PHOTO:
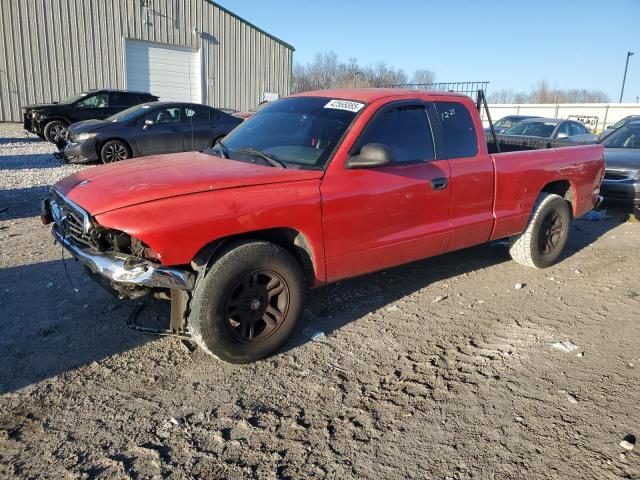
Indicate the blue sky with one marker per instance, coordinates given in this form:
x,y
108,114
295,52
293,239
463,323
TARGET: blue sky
x,y
512,44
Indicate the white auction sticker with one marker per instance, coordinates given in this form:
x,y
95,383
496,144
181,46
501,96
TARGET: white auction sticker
x,y
345,105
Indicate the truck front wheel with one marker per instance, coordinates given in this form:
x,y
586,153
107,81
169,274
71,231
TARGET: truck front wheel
x,y
542,242
246,306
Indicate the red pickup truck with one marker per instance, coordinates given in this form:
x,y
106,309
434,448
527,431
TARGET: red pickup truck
x,y
312,189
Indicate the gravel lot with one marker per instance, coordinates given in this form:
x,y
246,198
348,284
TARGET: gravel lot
x,y
439,369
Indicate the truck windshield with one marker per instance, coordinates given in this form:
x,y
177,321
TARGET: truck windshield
x,y
533,129
298,132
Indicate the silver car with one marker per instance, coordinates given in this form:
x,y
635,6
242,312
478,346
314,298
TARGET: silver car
x,y
553,129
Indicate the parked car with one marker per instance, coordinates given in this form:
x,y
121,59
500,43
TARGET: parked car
x,y
552,129
507,122
618,124
312,189
146,129
50,120
621,183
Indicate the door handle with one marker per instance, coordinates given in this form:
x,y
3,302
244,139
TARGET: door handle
x,y
439,183
176,129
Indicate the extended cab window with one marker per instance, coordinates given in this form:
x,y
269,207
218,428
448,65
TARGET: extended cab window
x,y
458,131
404,130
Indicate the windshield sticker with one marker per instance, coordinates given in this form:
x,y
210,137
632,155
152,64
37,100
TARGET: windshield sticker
x,y
345,105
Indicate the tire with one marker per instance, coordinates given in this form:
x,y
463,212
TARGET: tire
x,y
55,130
636,213
235,314
546,235
114,151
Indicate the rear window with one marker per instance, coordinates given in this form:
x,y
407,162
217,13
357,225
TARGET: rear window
x,y
458,131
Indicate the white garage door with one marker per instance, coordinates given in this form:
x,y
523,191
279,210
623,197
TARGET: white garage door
x,y
169,72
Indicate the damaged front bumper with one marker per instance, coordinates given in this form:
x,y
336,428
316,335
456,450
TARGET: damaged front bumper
x,y
128,275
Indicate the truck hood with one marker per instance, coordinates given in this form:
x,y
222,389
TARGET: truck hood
x,y
622,158
131,182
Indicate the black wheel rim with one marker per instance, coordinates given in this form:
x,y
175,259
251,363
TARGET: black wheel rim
x,y
58,132
551,233
257,305
115,152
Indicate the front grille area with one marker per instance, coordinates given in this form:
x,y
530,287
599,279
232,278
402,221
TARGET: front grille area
x,y
70,223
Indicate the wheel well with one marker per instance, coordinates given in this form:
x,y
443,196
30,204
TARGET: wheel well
x,y
99,145
288,238
215,140
55,119
562,188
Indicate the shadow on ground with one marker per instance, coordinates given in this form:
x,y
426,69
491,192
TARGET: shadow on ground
x,y
28,162
21,202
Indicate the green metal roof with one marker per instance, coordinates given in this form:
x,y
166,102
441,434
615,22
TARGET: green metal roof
x,y
229,12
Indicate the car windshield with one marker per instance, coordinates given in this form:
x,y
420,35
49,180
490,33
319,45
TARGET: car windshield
x,y
72,99
620,123
533,129
625,137
299,132
128,114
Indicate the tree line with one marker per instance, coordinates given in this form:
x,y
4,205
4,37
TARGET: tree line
x,y
326,70
542,93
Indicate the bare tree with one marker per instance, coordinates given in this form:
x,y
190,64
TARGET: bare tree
x,y
542,93
423,76
326,71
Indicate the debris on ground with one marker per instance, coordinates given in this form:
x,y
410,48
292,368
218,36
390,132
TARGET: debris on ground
x,y
566,346
313,334
628,442
519,286
440,298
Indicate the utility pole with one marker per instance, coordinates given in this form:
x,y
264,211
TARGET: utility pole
x,y
624,78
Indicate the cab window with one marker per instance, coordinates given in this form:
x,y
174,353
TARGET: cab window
x,y
458,131
405,130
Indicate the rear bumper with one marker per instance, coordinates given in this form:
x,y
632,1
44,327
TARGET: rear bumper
x,y
626,192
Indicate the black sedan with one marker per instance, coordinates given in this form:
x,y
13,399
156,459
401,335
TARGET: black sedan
x,y
621,183
146,129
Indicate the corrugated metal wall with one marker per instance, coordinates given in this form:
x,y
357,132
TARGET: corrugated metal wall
x,y
50,49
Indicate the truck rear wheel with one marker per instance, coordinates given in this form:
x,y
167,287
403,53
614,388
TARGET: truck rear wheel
x,y
246,306
546,235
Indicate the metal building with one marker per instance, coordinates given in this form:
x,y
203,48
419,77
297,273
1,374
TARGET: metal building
x,y
187,50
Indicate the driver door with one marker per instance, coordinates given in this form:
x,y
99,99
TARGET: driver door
x,y
161,131
375,218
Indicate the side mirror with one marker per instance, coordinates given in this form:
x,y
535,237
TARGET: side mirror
x,y
147,123
562,135
371,155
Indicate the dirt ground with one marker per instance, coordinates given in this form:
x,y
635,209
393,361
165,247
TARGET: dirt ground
x,y
438,369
